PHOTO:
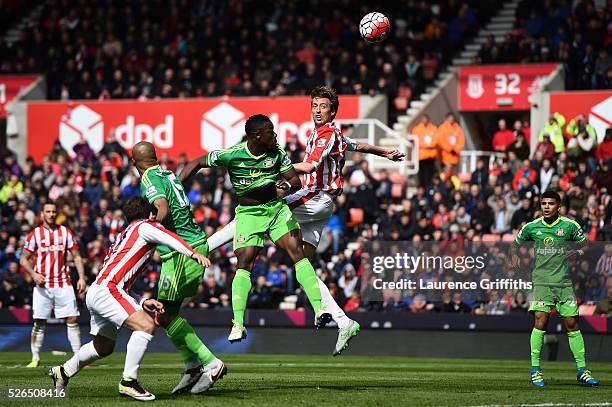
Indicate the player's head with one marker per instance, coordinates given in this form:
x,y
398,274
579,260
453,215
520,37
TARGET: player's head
x,y
136,208
260,130
324,105
550,202
49,213
143,155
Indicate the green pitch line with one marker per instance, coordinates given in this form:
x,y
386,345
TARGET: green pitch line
x,y
282,380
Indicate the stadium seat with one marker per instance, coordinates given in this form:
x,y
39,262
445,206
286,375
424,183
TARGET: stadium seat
x,y
490,237
508,237
430,68
356,217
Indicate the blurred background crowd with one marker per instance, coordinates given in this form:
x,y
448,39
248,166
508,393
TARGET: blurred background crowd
x,y
157,49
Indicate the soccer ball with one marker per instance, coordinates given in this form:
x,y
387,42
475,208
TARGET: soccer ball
x,y
374,27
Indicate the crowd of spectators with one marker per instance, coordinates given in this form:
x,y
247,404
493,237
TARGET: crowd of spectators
x,y
575,33
147,49
488,205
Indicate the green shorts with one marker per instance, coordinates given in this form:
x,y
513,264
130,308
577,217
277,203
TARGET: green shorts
x,y
561,298
180,276
252,222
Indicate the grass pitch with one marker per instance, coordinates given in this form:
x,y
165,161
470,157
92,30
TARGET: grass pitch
x,y
285,380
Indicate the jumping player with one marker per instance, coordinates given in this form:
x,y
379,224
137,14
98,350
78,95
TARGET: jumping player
x,y
52,246
111,307
256,168
312,205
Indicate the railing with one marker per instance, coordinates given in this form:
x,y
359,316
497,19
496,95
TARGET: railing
x,y
468,159
372,131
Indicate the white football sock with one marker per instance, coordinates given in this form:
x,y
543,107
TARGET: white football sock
x,y
83,357
74,336
328,302
38,336
221,237
136,348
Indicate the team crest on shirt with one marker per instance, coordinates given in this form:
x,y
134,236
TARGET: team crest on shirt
x,y
540,303
268,162
560,232
240,239
321,142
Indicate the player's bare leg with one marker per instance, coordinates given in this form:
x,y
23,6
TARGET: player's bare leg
x,y
36,341
291,242
347,328
74,333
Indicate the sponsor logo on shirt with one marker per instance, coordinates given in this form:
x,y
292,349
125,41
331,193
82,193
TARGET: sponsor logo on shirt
x,y
151,191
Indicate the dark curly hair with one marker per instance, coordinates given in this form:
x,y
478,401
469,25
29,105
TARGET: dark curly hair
x,y
137,208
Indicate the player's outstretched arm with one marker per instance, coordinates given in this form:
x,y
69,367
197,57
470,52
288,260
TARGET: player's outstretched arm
x,y
293,180
304,168
393,155
157,234
192,168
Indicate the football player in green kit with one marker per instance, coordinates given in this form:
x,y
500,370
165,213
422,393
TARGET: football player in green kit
x,y
257,167
180,275
552,282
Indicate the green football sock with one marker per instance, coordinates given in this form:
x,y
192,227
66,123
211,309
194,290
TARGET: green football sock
x,y
187,342
307,277
576,344
241,287
536,341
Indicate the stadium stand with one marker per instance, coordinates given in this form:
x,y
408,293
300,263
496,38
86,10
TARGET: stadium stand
x,y
150,49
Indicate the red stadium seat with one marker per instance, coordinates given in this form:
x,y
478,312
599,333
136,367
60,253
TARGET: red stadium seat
x,y
356,217
490,237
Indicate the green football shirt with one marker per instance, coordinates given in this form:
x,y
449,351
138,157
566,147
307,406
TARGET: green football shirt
x,y
248,171
550,245
159,183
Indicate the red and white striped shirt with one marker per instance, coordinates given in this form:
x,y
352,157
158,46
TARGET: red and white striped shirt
x,y
325,149
130,253
50,247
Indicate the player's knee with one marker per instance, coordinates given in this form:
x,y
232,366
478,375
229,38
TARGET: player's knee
x,y
571,324
103,345
71,320
148,326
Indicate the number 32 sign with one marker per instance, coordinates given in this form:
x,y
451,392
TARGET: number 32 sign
x,y
500,87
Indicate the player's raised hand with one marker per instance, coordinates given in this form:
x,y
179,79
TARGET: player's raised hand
x,y
154,306
39,279
394,155
201,259
81,286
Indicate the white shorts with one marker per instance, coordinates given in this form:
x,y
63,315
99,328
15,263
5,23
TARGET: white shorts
x,y
109,307
312,211
62,300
